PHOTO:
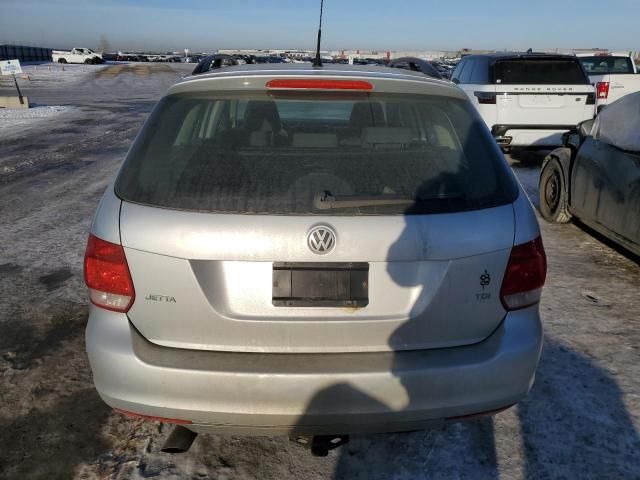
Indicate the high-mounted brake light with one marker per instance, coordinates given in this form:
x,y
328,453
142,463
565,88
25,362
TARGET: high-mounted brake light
x,y
602,89
318,84
525,275
106,273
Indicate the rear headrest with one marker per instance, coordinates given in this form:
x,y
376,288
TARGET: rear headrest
x,y
260,138
262,115
386,136
367,114
314,140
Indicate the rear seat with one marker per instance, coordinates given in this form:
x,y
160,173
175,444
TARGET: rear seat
x,y
381,137
371,137
262,123
314,140
363,115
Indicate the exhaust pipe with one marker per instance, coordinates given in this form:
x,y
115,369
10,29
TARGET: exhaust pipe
x,y
179,441
320,445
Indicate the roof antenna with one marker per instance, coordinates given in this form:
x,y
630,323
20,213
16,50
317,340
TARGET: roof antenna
x,y
317,62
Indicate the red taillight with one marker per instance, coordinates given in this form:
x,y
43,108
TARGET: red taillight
x,y
153,418
525,275
106,273
602,89
318,84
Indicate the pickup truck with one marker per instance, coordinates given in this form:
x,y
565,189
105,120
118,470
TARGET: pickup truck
x,y
613,75
77,55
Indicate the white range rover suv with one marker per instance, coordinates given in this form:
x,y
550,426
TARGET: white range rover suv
x,y
527,99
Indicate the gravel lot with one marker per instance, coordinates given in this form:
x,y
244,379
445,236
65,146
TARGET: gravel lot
x,y
581,420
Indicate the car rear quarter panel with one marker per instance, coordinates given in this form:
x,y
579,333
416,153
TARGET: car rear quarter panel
x,y
106,223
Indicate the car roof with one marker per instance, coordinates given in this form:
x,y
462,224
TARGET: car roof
x,y
603,54
374,73
520,55
431,71
307,68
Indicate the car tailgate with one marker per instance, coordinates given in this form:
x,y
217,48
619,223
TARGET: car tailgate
x,y
205,281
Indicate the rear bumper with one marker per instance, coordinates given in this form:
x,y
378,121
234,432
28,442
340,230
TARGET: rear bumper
x,y
270,394
530,135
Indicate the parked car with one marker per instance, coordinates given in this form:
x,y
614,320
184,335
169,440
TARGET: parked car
x,y
77,55
134,57
213,62
527,99
315,252
110,57
443,69
365,61
614,76
192,58
595,177
416,65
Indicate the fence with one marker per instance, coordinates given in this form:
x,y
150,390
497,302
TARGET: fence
x,y
25,54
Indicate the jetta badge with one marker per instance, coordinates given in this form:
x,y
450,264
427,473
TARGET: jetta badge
x,y
321,239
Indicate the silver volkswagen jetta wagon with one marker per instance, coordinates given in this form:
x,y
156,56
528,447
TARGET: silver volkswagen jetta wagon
x,y
313,251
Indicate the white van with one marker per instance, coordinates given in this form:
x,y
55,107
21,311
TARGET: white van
x,y
527,99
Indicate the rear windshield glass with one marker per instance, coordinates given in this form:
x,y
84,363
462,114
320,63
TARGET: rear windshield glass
x,y
539,72
299,154
606,65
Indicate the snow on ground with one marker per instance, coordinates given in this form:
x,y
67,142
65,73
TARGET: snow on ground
x,y
13,115
35,78
51,71
13,120
581,419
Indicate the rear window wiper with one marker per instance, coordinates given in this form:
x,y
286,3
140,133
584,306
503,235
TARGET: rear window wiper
x,y
326,201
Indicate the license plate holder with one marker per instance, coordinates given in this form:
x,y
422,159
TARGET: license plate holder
x,y
331,284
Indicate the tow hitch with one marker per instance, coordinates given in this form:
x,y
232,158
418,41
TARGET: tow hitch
x,y
321,444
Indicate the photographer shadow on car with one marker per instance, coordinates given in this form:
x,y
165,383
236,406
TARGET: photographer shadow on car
x,y
378,455
573,422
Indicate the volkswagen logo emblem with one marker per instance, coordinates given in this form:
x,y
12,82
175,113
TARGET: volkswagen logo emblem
x,y
321,239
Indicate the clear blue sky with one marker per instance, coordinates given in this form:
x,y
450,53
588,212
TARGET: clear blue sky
x,y
365,24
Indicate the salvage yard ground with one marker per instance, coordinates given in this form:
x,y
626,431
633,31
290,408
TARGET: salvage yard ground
x,y
581,419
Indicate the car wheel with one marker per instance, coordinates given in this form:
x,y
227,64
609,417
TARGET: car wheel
x,y
553,193
62,60
88,61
